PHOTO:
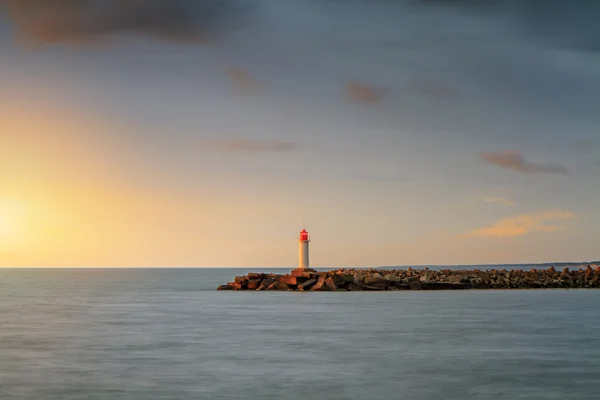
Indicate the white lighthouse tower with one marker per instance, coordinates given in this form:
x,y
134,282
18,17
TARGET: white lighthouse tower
x,y
303,241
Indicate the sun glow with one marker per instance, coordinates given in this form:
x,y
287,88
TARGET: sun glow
x,y
12,213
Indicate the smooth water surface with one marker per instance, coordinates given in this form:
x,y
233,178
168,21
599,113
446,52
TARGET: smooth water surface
x,y
167,334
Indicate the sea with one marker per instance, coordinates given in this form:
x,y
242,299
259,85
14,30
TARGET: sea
x,y
106,334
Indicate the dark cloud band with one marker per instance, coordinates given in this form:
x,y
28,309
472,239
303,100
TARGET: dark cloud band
x,y
565,23
50,21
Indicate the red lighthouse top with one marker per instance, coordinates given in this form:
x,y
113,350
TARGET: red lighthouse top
x,y
304,235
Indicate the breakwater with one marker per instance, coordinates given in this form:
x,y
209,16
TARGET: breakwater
x,y
412,279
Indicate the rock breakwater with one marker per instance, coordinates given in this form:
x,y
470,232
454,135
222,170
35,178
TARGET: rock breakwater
x,y
411,279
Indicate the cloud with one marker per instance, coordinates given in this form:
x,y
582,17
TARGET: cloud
x,y
363,93
51,21
565,23
250,145
242,81
499,200
523,224
558,23
516,161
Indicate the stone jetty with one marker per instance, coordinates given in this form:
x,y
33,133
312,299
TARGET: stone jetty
x,y
304,279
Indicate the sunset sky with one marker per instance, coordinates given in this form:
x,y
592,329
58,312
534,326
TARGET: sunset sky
x,y
202,133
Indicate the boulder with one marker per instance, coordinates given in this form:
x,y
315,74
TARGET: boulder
x,y
371,288
234,285
484,284
373,279
476,282
354,287
486,277
358,278
266,283
320,281
339,281
278,286
415,284
255,275
224,287
393,278
330,284
378,282
307,285
253,284
288,280
241,279
303,272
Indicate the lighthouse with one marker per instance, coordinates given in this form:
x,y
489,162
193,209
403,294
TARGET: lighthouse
x,y
303,241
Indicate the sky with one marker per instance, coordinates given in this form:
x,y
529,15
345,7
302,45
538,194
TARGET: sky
x,y
206,132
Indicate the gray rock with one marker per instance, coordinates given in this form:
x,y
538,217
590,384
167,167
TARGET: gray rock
x,y
359,278
415,285
376,282
307,285
371,288
354,287
266,283
393,278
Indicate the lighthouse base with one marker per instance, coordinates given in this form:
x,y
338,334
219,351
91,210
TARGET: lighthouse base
x,y
303,272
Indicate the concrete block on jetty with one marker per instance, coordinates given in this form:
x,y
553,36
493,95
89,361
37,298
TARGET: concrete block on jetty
x,y
308,279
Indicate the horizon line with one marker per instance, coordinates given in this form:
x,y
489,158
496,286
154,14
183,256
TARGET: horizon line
x,y
293,266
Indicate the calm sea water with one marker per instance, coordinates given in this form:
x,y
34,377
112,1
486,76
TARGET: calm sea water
x,y
167,334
